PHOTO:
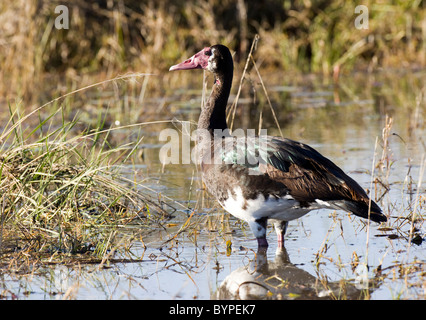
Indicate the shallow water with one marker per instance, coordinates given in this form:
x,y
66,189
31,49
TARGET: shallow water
x,y
326,252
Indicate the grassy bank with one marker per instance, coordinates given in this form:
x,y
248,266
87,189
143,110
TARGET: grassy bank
x,y
110,37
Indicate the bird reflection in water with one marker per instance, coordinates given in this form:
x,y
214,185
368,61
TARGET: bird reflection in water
x,y
280,279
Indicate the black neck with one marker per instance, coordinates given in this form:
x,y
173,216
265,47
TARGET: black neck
x,y
213,115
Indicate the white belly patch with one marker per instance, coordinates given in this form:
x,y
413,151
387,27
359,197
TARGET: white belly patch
x,y
285,208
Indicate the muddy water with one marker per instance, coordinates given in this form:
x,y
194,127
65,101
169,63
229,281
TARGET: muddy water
x,y
327,255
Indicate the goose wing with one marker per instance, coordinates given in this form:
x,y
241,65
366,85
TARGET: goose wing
x,y
309,176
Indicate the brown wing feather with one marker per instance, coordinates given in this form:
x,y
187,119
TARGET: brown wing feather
x,y
307,185
312,176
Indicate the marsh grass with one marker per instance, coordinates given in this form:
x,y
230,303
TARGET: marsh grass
x,y
62,193
405,275
110,37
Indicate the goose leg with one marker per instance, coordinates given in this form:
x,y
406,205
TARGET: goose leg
x,y
258,228
280,229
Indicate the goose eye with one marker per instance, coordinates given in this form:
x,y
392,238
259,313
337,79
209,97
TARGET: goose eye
x,y
208,53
